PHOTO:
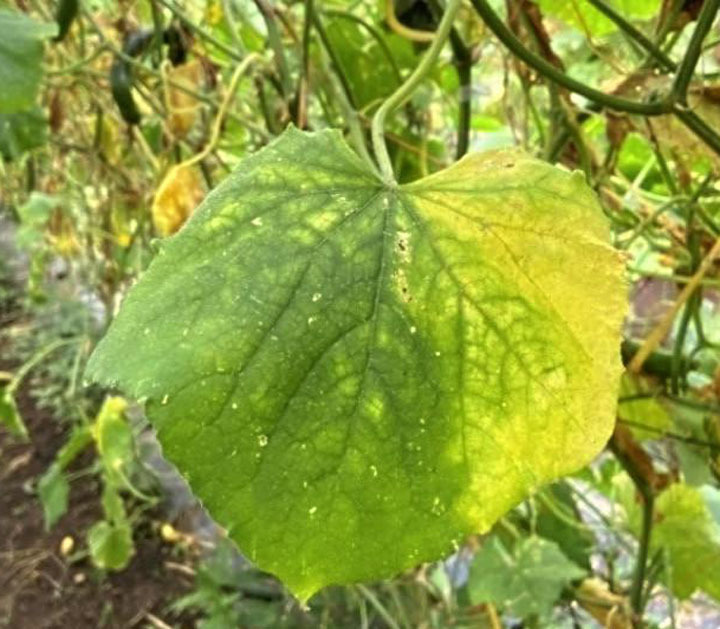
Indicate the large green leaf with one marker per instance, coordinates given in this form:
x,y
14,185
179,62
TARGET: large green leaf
x,y
351,376
527,581
21,50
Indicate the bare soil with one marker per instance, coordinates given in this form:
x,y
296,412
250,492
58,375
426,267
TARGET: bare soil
x,y
39,588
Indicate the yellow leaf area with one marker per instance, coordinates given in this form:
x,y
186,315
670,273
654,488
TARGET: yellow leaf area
x,y
177,196
539,302
62,234
182,106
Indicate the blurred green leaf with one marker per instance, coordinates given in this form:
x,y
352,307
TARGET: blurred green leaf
x,y
525,582
686,532
111,545
113,506
34,215
22,131
574,541
586,18
21,52
369,72
53,491
10,414
114,439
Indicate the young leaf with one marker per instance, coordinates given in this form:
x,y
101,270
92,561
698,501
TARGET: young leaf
x,y
526,582
21,50
352,377
53,491
111,545
53,486
10,414
114,438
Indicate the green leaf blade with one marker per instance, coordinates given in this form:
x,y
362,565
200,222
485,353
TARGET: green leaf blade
x,y
527,582
21,50
336,390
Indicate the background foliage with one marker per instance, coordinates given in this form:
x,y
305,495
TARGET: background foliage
x,y
117,118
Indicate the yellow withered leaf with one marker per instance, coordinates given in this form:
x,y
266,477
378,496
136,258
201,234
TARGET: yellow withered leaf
x,y
182,106
177,196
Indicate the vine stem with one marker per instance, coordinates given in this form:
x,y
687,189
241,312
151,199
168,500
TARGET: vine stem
x,y
222,111
26,368
687,66
399,96
644,486
548,70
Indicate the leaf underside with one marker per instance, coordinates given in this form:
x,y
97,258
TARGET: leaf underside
x,y
354,377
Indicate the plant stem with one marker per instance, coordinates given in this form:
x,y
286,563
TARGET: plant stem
x,y
334,60
28,366
464,71
399,96
373,600
176,11
549,71
646,491
636,594
268,15
341,88
304,81
692,53
462,60
698,126
663,327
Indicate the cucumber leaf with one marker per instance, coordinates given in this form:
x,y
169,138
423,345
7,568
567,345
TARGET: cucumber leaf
x,y
353,376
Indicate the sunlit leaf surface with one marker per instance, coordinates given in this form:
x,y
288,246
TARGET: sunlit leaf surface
x,y
353,377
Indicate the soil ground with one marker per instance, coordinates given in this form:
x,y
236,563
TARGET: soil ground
x,y
39,589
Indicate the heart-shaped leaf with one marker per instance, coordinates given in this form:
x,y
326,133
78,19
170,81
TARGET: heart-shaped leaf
x,y
354,376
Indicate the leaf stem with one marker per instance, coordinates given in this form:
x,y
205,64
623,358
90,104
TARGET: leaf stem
x,y
686,68
334,59
28,366
646,491
273,35
222,111
399,96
